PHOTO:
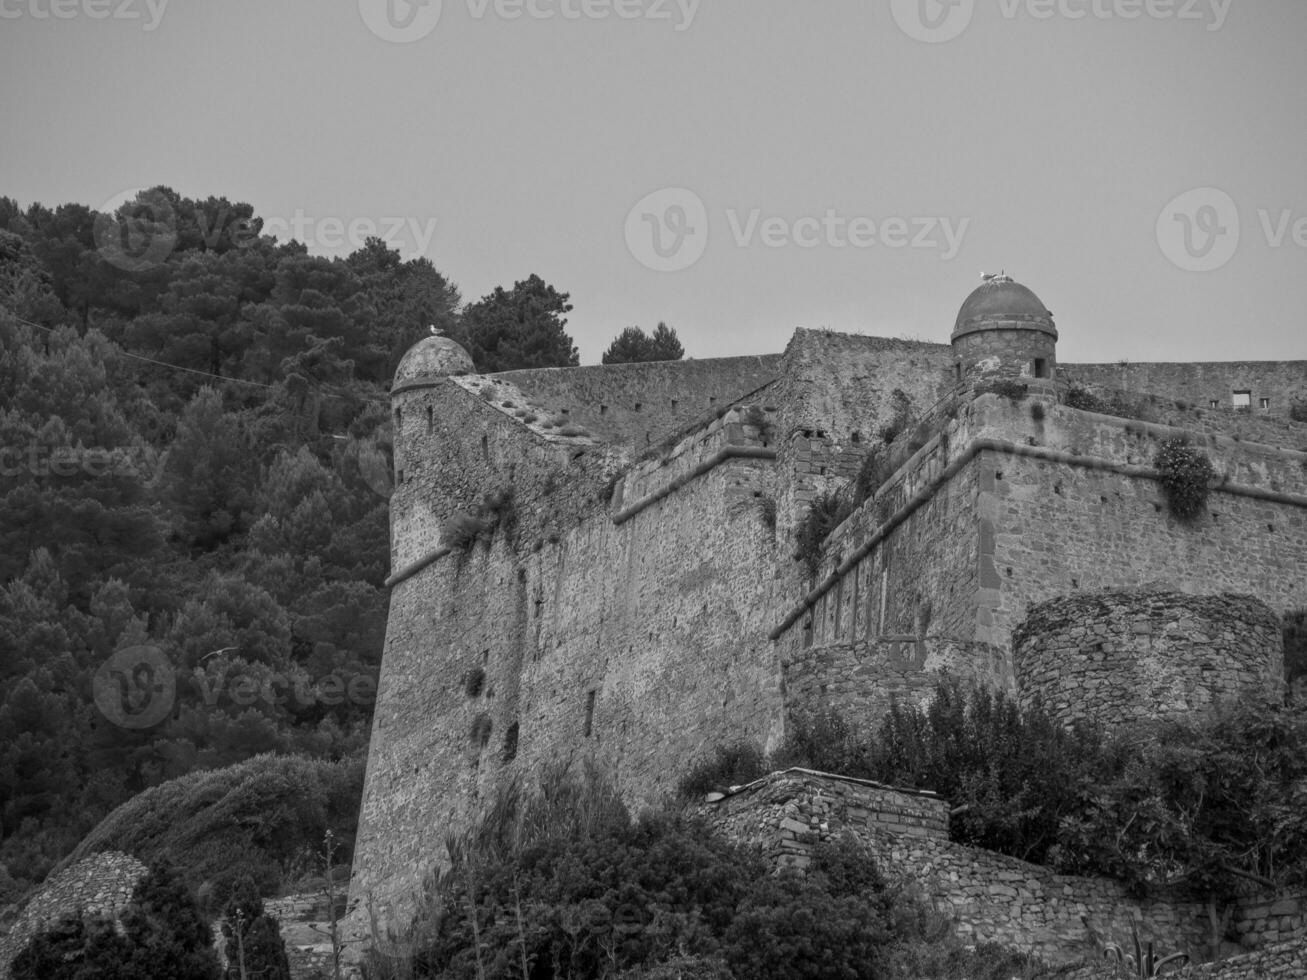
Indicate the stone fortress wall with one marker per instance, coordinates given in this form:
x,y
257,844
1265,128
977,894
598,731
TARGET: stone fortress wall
x,y
641,604
1117,657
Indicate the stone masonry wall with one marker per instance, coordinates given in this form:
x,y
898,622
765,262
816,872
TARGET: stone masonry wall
x,y
862,678
637,405
1086,516
1202,383
992,898
1116,657
639,644
99,885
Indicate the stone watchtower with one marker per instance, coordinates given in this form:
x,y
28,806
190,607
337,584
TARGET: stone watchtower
x,y
1004,332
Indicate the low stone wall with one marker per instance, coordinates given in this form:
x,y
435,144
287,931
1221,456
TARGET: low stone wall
x,y
99,885
992,898
1117,657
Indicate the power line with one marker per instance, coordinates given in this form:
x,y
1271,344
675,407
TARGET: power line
x,y
205,374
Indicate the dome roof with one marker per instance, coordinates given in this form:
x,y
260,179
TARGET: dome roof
x,y
1000,301
432,357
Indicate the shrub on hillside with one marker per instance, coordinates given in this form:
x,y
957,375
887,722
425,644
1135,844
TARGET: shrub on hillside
x,y
257,818
252,938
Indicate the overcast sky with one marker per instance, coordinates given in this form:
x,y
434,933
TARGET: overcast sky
x,y
736,168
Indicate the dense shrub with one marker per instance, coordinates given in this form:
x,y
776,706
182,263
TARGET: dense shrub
x,y
252,938
257,818
562,882
1298,410
163,934
1186,477
1210,804
729,765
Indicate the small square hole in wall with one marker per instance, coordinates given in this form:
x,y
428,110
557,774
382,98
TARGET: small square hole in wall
x,y
1213,404
603,409
1264,404
673,403
638,406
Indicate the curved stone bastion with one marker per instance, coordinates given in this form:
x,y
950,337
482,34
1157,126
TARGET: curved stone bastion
x,y
1121,656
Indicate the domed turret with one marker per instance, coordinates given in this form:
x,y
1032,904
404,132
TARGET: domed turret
x,y
1004,331
432,357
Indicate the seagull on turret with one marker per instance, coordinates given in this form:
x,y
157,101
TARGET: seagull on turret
x,y
434,331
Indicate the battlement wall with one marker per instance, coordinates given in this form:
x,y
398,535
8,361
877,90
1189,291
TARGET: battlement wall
x,y
637,405
1200,384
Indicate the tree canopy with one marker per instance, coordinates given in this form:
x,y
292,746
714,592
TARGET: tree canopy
x,y
633,345
518,328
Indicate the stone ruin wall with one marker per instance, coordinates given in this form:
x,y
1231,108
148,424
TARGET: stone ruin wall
x,y
1200,384
990,897
98,885
1119,657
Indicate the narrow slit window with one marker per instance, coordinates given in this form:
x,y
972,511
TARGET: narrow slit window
x,y
589,713
1264,404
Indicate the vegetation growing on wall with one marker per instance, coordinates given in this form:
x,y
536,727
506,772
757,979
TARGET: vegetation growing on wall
x,y
1209,804
824,515
1295,645
1186,476
561,882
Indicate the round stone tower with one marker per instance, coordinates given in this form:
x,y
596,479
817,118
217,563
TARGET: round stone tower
x,y
1127,655
418,399
1004,332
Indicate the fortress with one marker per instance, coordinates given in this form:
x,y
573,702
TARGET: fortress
x,y
600,562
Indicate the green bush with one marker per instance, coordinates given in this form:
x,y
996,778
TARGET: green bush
x,y
825,514
731,765
1186,476
257,818
163,934
252,938
1298,410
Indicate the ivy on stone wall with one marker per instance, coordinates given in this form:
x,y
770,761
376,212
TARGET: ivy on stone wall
x,y
1186,476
